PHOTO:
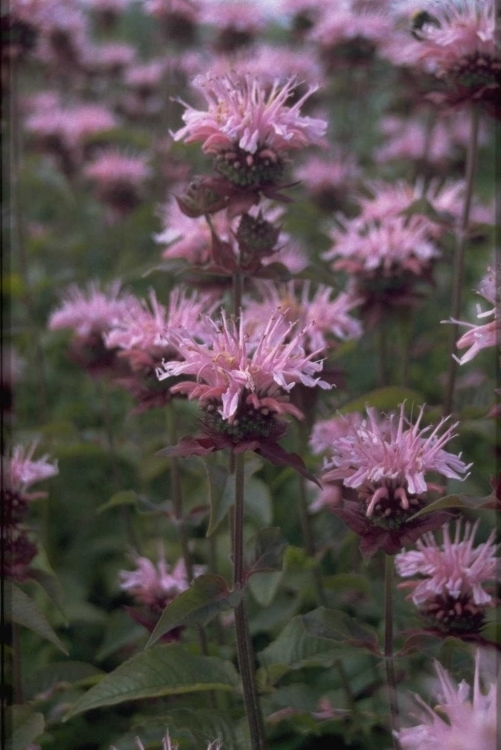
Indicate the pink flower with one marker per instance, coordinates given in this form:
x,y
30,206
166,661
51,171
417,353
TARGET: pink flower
x,y
235,15
348,33
155,585
248,128
337,172
119,179
457,42
91,310
187,9
481,336
23,471
449,578
388,463
326,432
322,320
111,57
247,378
467,720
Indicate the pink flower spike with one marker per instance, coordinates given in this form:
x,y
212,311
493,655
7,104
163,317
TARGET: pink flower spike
x,y
91,310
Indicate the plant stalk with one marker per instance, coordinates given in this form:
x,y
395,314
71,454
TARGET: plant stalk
x,y
244,646
458,272
391,684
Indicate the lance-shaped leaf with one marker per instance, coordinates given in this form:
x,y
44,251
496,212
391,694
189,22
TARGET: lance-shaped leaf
x,y
23,726
222,489
340,629
163,670
207,596
459,501
278,456
21,609
265,551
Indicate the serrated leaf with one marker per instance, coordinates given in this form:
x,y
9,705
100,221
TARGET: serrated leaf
x,y
383,398
161,670
265,551
459,501
295,648
25,725
21,609
124,497
339,628
50,585
206,725
207,596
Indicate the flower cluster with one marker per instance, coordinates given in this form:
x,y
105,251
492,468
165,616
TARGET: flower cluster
x,y
20,471
387,462
152,587
482,336
250,130
449,578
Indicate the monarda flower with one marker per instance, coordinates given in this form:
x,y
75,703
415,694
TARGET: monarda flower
x,y
458,42
250,129
464,719
153,587
19,472
486,335
139,337
448,579
237,23
90,314
179,18
119,180
329,181
386,462
243,381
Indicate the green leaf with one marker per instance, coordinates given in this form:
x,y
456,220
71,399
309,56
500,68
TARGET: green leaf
x,y
207,596
50,585
206,725
162,670
264,587
25,726
341,629
124,497
295,648
265,551
383,399
459,501
258,502
221,494
21,609
352,582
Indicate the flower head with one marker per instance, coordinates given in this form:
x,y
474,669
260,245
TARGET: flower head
x,y
467,718
119,179
482,336
449,579
457,41
249,128
386,462
24,471
322,320
241,375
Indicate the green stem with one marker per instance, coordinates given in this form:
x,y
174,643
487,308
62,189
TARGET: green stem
x,y
458,273
108,428
383,353
391,683
177,501
244,646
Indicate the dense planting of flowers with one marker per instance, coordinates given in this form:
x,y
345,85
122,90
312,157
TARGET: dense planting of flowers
x,y
248,383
